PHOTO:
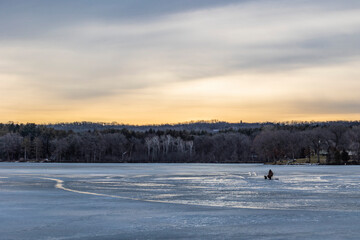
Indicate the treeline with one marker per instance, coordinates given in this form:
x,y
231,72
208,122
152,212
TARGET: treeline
x,y
208,126
338,142
212,125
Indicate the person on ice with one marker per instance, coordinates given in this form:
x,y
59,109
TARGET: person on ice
x,y
269,176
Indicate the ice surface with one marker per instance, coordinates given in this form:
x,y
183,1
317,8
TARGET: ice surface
x,y
182,201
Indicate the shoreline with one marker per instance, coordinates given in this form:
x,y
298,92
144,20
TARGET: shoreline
x,y
261,163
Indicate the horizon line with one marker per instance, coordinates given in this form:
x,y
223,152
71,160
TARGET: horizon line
x,y
185,122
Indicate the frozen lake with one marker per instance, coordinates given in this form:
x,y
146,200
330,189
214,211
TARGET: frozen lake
x,y
178,201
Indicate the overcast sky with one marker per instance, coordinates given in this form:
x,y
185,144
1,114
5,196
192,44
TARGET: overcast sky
x,y
157,61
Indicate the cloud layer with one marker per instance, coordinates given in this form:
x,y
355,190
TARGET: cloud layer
x,y
133,61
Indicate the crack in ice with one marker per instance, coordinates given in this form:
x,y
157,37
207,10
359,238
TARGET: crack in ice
x,y
60,185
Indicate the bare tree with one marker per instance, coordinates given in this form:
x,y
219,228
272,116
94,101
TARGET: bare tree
x,y
318,138
11,145
26,144
38,144
354,136
190,145
60,148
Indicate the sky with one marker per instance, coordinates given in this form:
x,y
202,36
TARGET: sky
x,y
161,61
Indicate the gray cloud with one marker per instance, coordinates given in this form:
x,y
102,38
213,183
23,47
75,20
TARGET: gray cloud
x,y
322,106
93,49
27,19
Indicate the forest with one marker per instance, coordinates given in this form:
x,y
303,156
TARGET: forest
x,y
336,142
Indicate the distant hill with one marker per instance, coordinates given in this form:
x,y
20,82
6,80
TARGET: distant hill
x,y
208,126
